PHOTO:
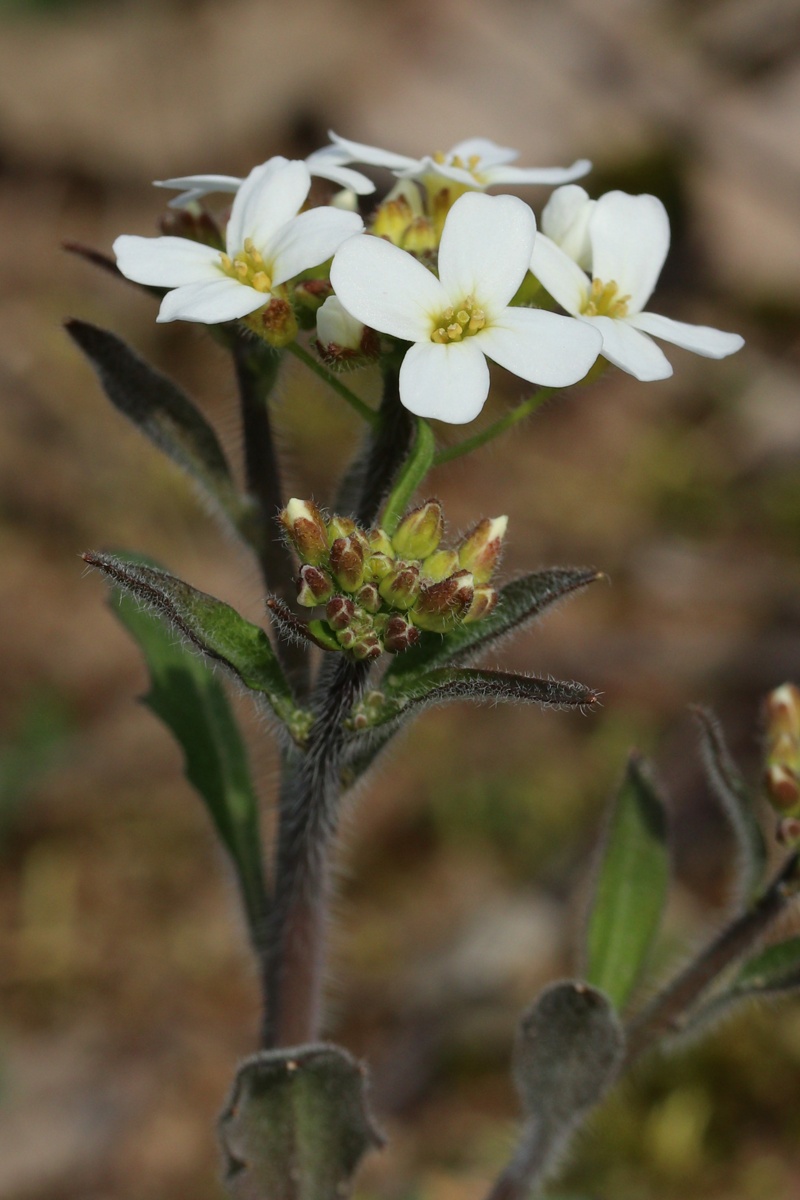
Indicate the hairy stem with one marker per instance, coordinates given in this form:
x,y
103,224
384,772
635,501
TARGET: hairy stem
x,y
414,470
364,411
387,449
665,1014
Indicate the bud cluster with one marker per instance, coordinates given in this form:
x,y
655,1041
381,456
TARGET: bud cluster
x,y
782,766
379,591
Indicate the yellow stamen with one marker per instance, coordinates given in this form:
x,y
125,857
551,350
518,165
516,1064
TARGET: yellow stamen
x,y
247,267
603,301
453,325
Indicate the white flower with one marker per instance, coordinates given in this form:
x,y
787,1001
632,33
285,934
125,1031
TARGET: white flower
x,y
327,163
335,326
267,243
565,220
629,238
475,163
464,315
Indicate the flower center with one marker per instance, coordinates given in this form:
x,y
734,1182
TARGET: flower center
x,y
470,164
247,267
457,323
603,301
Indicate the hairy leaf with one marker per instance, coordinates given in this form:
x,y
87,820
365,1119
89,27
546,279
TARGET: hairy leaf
x,y
165,415
296,1125
520,602
775,969
213,628
192,704
737,801
631,886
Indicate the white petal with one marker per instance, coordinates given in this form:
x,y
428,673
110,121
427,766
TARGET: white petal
x,y
165,261
540,346
270,196
565,220
308,240
449,383
559,274
546,175
336,327
485,249
631,350
372,155
702,339
224,299
427,167
328,163
489,153
194,187
387,288
630,239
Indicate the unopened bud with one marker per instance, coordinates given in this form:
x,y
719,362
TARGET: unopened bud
x,y
788,832
305,527
441,605
480,550
782,766
368,646
315,586
347,638
340,611
369,598
483,601
379,565
347,563
783,786
439,565
399,635
275,323
380,542
420,531
401,588
311,295
340,527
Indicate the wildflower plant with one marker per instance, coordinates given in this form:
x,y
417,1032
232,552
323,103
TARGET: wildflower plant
x,y
375,612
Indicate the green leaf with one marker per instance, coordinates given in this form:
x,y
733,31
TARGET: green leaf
x,y
192,704
776,969
520,602
738,803
296,1125
631,887
165,415
213,628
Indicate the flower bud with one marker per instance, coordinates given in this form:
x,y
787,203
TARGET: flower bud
x,y
340,527
420,531
399,635
379,565
340,611
347,563
369,598
347,638
367,646
401,587
336,328
441,605
480,550
315,586
439,565
782,765
275,323
305,527
484,600
311,295
392,218
380,542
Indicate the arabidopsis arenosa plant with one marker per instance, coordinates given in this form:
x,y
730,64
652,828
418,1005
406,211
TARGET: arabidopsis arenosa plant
x,y
623,240
474,163
267,243
457,320
327,163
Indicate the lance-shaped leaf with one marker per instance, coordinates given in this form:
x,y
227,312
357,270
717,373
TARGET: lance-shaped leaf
x,y
192,704
773,972
214,629
296,1125
165,415
738,803
631,886
519,603
568,1054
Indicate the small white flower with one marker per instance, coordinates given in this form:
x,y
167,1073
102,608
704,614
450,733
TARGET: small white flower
x,y
327,163
267,243
475,163
459,319
335,326
565,220
629,237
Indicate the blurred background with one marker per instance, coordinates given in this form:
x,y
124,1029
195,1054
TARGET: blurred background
x,y
126,991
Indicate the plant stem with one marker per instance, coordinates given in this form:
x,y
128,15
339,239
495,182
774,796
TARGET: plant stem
x,y
364,411
414,470
495,429
665,1014
387,449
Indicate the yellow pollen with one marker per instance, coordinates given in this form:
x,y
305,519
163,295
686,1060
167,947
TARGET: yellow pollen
x,y
453,325
603,301
247,267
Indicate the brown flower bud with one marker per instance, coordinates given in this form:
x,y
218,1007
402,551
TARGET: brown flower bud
x,y
484,600
480,550
420,531
782,766
305,528
367,646
314,586
399,635
340,611
347,563
401,587
369,598
441,605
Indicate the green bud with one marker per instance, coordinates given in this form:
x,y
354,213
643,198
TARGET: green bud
x,y
378,566
367,646
484,600
323,634
340,611
369,598
347,563
315,586
310,295
305,529
339,527
480,550
380,541
441,605
401,588
420,531
439,565
347,638
399,635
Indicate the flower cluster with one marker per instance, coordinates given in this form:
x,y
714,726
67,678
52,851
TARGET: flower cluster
x,y
448,274
380,591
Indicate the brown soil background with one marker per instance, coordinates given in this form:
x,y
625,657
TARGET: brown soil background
x,y
127,994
